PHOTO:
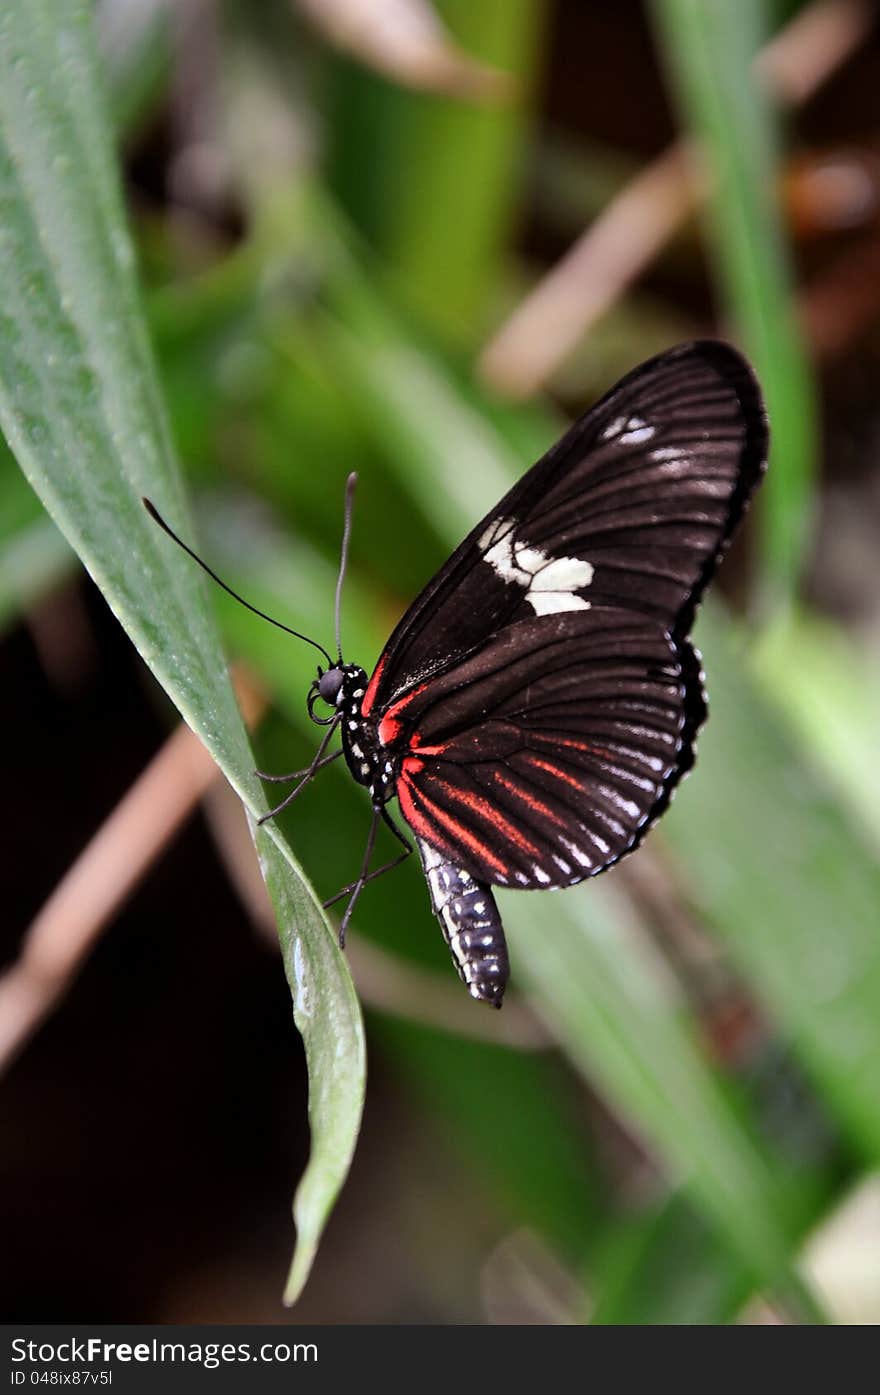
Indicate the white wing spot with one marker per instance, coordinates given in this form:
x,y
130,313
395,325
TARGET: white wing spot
x,y
577,853
636,432
667,453
628,431
550,582
541,875
561,862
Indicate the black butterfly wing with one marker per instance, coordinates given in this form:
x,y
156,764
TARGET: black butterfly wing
x,y
631,509
541,759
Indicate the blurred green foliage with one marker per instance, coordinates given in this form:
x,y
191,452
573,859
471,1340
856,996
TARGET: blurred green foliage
x,y
338,331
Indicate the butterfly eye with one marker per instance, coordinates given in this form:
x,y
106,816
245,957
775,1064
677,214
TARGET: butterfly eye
x,y
328,685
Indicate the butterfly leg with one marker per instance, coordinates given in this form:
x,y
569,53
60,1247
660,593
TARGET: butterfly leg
x,y
355,888
358,886
401,837
380,871
297,774
308,774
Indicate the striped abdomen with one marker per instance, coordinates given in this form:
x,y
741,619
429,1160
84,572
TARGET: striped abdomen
x,y
471,925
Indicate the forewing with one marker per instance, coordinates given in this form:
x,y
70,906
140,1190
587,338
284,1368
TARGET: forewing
x,y
543,758
632,509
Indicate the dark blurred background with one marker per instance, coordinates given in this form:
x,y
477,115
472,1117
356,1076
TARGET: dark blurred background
x,y
353,254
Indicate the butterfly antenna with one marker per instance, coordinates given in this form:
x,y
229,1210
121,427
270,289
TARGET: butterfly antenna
x,y
350,485
157,518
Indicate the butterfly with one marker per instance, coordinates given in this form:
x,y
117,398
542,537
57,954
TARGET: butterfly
x,y
536,706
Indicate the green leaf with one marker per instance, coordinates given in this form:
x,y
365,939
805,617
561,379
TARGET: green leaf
x,y
709,49
80,408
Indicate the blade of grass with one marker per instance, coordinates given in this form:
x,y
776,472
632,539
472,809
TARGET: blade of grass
x,y
668,1267
777,867
829,693
81,410
708,50
440,223
613,1004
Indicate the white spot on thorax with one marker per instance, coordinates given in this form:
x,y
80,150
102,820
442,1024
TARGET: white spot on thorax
x,y
550,582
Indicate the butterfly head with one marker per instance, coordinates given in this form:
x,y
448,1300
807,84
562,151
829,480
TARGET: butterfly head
x,y
341,687
327,686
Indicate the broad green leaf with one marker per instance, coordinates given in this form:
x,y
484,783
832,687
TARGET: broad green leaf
x,y
80,408
709,47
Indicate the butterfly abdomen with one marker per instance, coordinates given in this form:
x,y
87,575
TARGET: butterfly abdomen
x,y
471,925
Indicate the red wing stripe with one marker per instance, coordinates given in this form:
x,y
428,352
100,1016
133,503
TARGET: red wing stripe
x,y
389,727
567,741
519,793
370,694
458,831
488,811
553,770
415,744
414,817
603,794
